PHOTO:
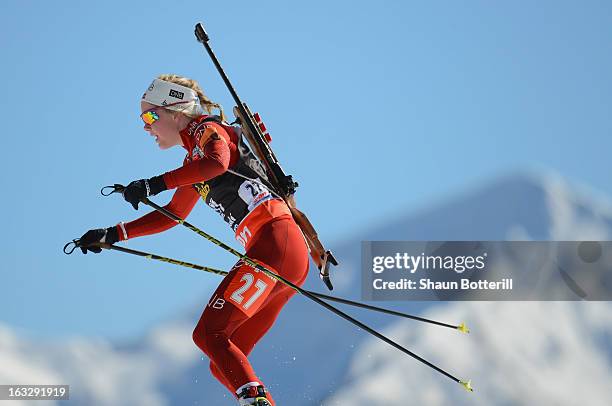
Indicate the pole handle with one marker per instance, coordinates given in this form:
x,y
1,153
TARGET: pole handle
x,y
200,33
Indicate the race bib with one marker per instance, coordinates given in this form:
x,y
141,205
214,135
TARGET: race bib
x,y
253,193
248,288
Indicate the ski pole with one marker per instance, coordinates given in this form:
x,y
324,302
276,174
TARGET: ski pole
x,y
466,384
147,255
461,327
118,188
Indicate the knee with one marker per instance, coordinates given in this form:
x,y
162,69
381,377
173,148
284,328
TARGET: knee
x,y
209,342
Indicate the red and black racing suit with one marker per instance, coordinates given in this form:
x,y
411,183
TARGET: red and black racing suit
x,y
247,302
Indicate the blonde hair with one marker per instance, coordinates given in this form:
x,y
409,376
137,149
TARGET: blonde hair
x,y
205,102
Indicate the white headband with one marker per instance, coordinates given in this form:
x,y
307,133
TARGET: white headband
x,y
162,93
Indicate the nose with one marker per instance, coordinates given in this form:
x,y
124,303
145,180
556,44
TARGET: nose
x,y
147,128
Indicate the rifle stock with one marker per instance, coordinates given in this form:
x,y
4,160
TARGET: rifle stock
x,y
321,257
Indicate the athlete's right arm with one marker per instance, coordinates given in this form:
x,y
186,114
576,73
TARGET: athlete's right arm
x,y
182,203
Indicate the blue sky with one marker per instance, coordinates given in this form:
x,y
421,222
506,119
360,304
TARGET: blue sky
x,y
374,110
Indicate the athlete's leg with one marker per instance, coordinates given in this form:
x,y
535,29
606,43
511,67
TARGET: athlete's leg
x,y
212,334
225,333
216,372
251,331
285,250
291,263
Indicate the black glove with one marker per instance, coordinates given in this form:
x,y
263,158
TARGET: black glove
x,y
139,189
108,235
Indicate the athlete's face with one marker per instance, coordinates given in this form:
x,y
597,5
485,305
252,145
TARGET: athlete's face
x,y
166,128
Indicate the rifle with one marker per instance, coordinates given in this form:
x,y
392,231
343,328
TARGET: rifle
x,y
284,185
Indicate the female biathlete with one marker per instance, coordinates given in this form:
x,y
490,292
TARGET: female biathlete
x,y
219,168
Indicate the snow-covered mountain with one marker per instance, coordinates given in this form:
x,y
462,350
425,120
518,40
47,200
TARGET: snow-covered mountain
x,y
518,353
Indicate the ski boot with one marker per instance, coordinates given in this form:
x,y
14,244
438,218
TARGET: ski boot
x,y
253,396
